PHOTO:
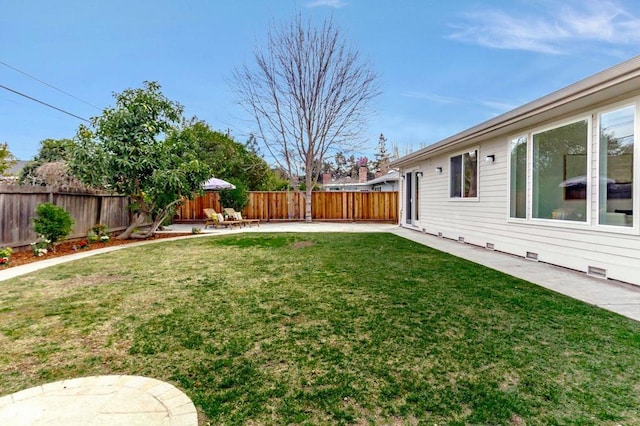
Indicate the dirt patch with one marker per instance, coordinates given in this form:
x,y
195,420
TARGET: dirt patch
x,y
90,281
302,244
70,247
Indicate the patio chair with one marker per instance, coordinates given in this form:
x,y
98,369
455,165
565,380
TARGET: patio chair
x,y
216,219
238,216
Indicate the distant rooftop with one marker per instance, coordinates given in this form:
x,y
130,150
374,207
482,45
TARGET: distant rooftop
x,y
16,168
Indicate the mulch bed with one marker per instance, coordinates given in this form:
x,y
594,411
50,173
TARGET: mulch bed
x,y
67,247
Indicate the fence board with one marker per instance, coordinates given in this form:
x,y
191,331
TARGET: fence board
x,y
18,205
280,205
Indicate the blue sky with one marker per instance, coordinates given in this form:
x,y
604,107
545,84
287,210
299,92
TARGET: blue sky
x,y
444,66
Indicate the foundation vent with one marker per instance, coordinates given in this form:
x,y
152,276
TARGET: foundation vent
x,y
532,256
597,272
461,239
440,234
424,230
490,246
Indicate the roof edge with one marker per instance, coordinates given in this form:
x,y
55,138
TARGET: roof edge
x,y
595,83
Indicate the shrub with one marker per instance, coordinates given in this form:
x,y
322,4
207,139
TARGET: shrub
x,y
52,222
237,198
5,255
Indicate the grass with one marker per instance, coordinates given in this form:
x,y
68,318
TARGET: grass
x,y
324,328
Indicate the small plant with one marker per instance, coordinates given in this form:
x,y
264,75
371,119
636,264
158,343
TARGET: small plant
x,y
5,255
84,244
196,230
39,247
99,229
53,223
98,232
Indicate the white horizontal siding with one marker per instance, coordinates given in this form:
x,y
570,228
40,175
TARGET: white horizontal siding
x,y
572,245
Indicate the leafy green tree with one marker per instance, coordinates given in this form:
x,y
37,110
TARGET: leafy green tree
x,y
381,163
6,158
229,159
140,148
51,151
341,165
52,222
236,198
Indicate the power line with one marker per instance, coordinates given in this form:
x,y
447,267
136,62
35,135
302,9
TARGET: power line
x,y
43,103
50,85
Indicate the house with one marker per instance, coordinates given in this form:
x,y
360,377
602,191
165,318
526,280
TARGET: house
x,y
385,183
11,175
556,180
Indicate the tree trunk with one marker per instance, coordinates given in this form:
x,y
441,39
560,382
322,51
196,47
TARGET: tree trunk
x,y
137,221
307,207
155,225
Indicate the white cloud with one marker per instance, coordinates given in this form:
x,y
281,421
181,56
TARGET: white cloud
x,y
497,106
500,107
431,97
557,31
336,4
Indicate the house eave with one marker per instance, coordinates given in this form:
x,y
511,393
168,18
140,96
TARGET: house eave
x,y
610,83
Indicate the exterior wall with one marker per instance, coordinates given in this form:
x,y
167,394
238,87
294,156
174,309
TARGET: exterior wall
x,y
486,219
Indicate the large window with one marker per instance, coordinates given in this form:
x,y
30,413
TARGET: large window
x,y
560,173
616,167
518,185
464,175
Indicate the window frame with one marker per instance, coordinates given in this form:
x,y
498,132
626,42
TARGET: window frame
x,y
635,226
592,115
527,177
589,191
449,168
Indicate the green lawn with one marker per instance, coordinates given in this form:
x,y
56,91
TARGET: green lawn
x,y
324,328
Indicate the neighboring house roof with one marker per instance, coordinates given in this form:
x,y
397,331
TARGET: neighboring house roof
x,y
392,176
16,168
611,83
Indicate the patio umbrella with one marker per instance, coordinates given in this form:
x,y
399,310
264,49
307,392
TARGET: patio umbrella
x,y
580,181
215,184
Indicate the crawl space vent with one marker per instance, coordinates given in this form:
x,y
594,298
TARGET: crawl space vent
x,y
597,272
490,246
440,234
461,239
532,256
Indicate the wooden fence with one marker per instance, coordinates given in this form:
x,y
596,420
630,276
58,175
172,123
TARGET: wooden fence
x,y
272,205
18,205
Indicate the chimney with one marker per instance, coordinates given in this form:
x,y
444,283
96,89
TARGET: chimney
x,y
384,166
362,175
326,178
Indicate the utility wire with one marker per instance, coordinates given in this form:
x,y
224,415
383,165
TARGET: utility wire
x,y
50,85
43,103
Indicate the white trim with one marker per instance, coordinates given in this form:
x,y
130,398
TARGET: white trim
x,y
597,89
415,223
633,229
461,153
527,185
553,126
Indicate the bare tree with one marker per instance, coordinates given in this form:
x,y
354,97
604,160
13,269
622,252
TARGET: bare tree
x,y
309,95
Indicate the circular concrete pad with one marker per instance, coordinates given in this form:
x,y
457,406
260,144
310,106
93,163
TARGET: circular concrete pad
x,y
100,400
